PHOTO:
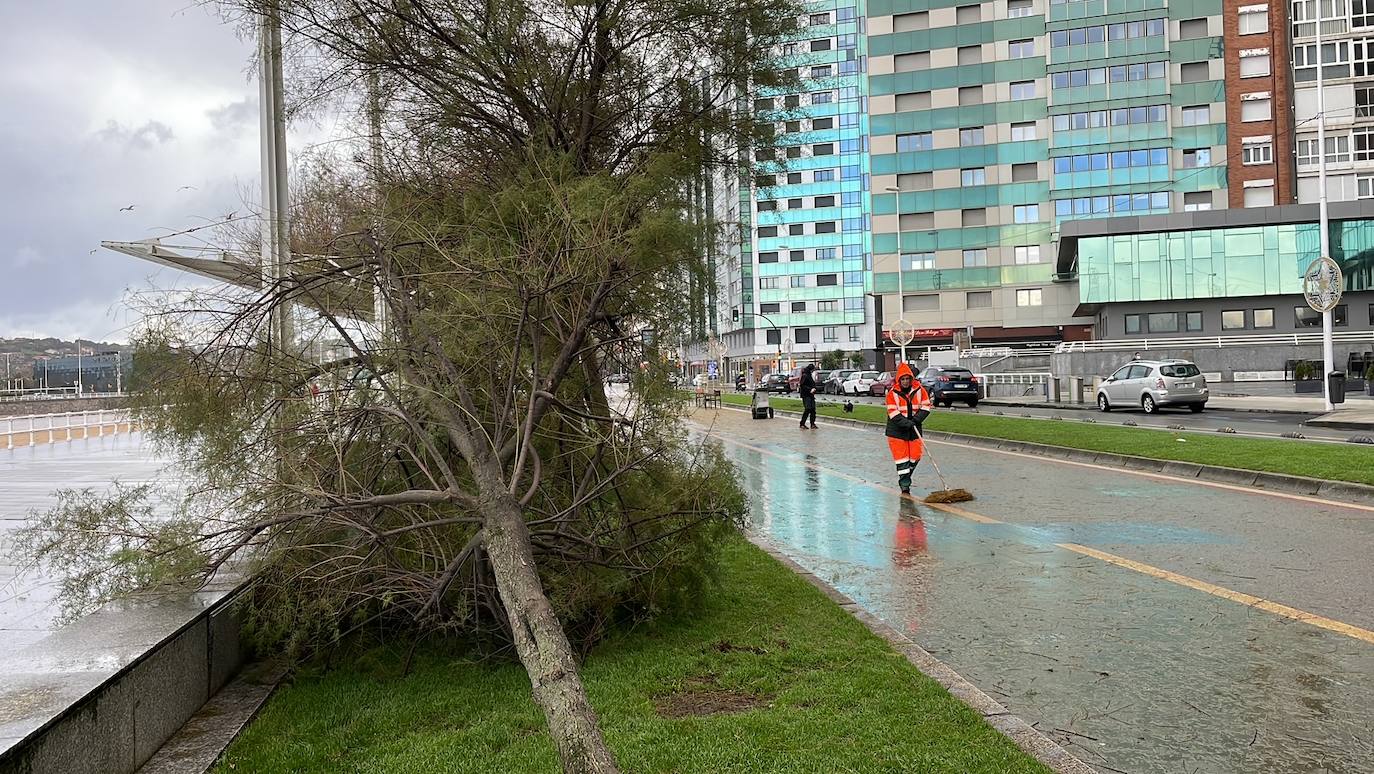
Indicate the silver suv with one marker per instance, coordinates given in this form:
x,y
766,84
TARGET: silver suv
x,y
1154,384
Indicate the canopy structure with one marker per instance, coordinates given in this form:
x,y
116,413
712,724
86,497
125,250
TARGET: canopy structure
x,y
225,267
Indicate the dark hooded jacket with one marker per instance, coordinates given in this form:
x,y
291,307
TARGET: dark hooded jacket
x,y
807,388
906,410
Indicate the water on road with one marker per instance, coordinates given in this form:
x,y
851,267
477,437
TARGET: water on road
x,y
1116,612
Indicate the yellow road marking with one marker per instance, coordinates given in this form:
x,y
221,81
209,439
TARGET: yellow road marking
x,y
1220,591
1249,600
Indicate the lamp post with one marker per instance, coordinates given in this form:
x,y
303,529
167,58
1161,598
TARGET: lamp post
x,y
772,326
1323,226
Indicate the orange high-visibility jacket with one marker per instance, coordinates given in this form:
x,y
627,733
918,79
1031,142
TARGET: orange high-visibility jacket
x,y
905,404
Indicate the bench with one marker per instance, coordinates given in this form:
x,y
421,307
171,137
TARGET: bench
x,y
708,398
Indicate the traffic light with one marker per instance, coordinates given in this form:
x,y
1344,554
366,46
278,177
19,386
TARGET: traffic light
x,y
734,315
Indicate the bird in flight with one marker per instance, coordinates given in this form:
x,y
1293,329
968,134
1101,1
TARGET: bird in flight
x,y
91,253
187,188
130,208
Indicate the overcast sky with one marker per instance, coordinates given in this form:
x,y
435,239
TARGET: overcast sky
x,y
105,105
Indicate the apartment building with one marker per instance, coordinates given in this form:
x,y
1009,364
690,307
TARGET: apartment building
x,y
1347,28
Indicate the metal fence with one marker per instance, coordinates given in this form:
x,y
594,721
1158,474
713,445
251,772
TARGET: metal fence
x,y
52,428
1204,342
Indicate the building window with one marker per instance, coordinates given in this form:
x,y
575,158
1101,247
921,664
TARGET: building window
x,y
973,176
1022,131
821,176
796,255
829,334
822,44
824,201
1191,29
827,280
1259,151
1197,115
1194,72
1026,254
768,257
917,261
818,19
1306,317
1233,320
1025,173
853,333
801,335
1364,98
767,231
1023,90
768,283
978,299
1254,65
1254,19
823,149
971,136
770,308
915,100
1195,201
916,181
822,123
1259,193
1335,57
826,227
853,278
1132,323
797,281
968,14
1197,157
1256,109
773,336
1192,321
970,55
971,95
1017,9
905,63
797,229
1364,186
822,97
915,221
1029,297
798,307
1021,49
794,178
923,303
827,306
978,257
1162,322
825,253
1264,318
974,216
914,142
822,71
1025,213
768,205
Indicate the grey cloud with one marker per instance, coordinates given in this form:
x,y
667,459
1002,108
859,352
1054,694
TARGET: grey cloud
x,y
234,116
142,138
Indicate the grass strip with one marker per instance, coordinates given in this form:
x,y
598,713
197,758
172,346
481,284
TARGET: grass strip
x,y
767,674
1334,462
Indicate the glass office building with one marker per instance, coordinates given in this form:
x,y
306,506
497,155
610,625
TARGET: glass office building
x,y
995,123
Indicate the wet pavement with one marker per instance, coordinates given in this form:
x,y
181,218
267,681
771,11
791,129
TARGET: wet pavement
x,y
1148,624
29,477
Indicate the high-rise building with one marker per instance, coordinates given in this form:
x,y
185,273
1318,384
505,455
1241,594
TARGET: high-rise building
x,y
795,282
1348,71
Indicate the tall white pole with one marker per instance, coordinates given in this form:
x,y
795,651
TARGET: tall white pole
x,y
276,248
374,96
901,304
78,367
1328,355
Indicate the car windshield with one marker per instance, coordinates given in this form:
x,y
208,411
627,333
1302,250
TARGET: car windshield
x,y
868,375
958,373
1179,370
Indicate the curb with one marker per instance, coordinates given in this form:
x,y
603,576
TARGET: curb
x,y
1340,491
1021,733
1012,403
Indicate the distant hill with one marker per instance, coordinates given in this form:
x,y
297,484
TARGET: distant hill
x,y
22,353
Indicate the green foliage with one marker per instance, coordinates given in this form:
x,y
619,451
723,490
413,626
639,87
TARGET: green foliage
x,y
832,360
832,697
1369,373
1304,370
857,360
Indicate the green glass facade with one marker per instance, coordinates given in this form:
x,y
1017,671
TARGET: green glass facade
x,y
1218,263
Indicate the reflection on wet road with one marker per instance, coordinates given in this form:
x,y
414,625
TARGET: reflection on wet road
x,y
1133,671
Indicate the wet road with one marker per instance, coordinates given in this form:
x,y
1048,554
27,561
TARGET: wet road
x,y
28,478
1149,624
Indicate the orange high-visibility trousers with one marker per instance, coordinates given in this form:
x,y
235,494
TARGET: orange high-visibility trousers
x,y
905,455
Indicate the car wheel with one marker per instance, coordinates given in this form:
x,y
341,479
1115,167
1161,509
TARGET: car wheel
x,y
1102,404
973,404
1196,408
1148,403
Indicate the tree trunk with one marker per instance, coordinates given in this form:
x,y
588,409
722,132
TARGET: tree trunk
x,y
541,643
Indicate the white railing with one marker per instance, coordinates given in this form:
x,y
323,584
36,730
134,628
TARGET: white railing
x,y
1205,342
1032,377
34,429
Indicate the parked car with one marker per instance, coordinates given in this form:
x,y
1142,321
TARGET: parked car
x,y
881,385
858,382
948,384
1154,384
834,383
774,383
820,377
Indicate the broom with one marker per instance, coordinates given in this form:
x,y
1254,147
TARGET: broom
x,y
945,495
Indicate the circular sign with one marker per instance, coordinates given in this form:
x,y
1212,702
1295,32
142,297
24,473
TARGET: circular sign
x,y
1323,284
901,333
787,346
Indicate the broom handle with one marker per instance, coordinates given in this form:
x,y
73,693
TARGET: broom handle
x,y
933,463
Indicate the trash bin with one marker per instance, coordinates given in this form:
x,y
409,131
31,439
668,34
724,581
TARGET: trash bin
x,y
1335,386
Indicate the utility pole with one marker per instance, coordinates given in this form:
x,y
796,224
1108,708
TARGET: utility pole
x,y
78,368
1328,354
276,245
374,120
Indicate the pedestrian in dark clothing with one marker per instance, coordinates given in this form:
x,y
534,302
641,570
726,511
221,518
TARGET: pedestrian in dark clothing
x,y
807,388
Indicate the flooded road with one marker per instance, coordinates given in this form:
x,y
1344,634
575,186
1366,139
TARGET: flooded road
x,y
1148,624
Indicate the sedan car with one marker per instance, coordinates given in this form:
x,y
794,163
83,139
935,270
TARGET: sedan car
x,y
881,385
858,382
774,383
947,384
1154,384
834,384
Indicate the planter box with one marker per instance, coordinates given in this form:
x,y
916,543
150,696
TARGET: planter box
x,y
1355,385
1307,385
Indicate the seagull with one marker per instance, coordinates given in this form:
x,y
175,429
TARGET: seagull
x,y
187,188
130,208
91,253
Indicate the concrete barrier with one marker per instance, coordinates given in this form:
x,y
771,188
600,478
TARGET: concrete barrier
x,y
103,694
